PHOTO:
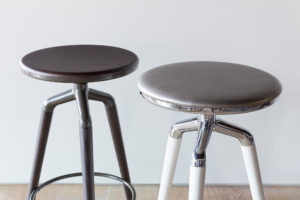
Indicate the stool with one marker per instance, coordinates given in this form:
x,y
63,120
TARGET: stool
x,y
80,64
210,89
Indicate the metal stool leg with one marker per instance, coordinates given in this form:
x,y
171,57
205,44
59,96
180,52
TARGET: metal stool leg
x,y
119,145
253,172
169,167
196,183
113,119
249,154
45,123
197,171
86,139
171,155
40,150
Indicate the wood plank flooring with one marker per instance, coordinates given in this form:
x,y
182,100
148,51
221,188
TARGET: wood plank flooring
x,y
147,192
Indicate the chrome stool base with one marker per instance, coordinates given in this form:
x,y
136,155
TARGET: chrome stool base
x,y
110,176
205,125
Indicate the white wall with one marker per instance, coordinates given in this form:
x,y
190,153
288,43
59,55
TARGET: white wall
x,y
264,34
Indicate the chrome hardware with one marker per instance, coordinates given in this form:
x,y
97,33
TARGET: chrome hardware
x,y
184,126
204,134
205,125
203,110
245,138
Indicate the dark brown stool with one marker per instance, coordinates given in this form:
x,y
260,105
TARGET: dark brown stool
x,y
80,64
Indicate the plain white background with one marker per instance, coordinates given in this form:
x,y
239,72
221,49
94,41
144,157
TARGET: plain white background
x,y
263,34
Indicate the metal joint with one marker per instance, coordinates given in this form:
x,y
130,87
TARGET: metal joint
x,y
52,102
106,98
205,125
181,127
199,160
48,105
81,95
244,136
204,134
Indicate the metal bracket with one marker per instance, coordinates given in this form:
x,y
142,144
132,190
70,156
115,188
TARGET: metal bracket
x,y
205,125
184,126
204,134
244,136
58,99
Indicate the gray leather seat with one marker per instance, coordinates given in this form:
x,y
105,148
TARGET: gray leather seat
x,y
209,87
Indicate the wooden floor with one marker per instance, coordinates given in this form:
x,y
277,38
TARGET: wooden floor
x,y
146,192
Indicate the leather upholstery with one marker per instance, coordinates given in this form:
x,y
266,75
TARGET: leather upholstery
x,y
210,85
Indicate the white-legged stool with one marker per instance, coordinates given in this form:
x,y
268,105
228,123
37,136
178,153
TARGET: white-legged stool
x,y
209,89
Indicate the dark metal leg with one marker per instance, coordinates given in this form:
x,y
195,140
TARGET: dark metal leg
x,y
45,123
113,119
40,150
86,139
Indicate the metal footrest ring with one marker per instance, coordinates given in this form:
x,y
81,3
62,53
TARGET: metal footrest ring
x,y
110,176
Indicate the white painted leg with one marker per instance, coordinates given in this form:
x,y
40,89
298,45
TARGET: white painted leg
x,y
197,182
252,167
171,157
197,170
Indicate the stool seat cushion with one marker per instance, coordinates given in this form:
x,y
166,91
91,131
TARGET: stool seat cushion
x,y
209,87
79,63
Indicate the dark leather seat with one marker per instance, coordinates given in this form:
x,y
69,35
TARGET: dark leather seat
x,y
209,87
79,63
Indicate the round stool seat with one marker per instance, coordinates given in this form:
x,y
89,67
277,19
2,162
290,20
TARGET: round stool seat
x,y
79,63
209,87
